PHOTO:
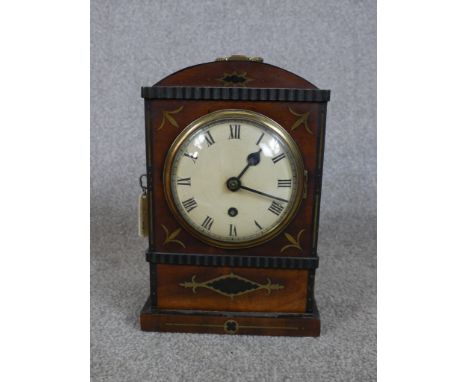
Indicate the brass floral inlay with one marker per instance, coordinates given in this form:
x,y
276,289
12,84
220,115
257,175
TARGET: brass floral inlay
x,y
235,79
295,242
231,285
167,116
171,237
302,120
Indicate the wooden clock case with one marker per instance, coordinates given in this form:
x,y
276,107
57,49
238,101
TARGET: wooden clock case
x,y
195,287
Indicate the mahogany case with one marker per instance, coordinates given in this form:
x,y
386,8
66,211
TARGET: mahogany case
x,y
195,287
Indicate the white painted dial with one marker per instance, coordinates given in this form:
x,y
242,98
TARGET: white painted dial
x,y
234,180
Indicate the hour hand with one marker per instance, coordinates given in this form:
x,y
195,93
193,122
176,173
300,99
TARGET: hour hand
x,y
263,193
252,160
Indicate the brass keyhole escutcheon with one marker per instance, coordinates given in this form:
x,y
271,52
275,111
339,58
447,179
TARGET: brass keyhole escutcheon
x,y
231,327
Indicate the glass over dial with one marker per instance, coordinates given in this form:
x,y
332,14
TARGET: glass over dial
x,y
234,178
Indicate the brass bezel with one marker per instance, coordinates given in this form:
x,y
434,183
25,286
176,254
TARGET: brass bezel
x,y
243,115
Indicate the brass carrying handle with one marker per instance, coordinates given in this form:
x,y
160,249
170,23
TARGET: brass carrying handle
x,y
240,57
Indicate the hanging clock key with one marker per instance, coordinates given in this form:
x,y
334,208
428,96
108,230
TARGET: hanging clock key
x,y
233,192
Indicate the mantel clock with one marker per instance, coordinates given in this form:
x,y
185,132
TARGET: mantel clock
x,y
234,155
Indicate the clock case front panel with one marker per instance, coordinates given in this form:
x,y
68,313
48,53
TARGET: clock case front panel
x,y
174,255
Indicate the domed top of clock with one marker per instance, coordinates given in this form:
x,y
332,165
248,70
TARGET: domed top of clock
x,y
238,72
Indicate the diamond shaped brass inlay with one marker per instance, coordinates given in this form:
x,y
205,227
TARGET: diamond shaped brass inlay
x,y
235,79
231,285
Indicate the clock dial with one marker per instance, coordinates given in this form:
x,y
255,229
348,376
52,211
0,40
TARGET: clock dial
x,y
234,178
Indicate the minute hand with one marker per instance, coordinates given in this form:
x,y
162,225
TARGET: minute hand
x,y
263,193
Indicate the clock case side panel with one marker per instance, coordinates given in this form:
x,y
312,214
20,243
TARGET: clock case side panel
x,y
149,173
311,303
149,189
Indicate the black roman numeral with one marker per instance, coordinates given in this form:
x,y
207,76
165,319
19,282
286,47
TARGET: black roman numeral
x,y
259,139
209,139
232,230
184,182
276,208
284,182
189,204
234,131
207,223
258,225
192,157
278,158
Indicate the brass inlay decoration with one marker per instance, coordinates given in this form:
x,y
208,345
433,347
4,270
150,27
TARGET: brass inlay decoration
x,y
232,326
302,120
235,79
171,237
167,116
295,242
231,285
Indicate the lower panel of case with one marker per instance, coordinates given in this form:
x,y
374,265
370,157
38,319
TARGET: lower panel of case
x,y
196,321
